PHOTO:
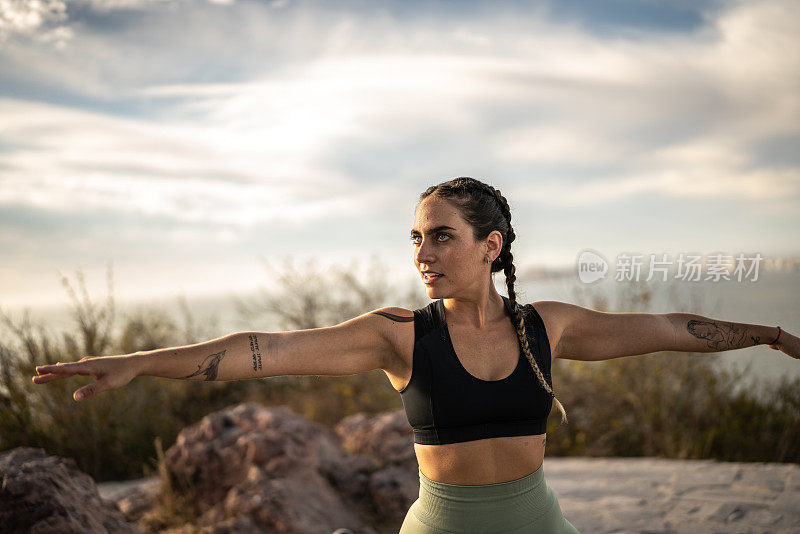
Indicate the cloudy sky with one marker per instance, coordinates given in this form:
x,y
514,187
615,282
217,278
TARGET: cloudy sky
x,y
183,141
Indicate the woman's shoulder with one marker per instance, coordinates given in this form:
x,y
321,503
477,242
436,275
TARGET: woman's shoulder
x,y
555,315
396,313
400,331
550,308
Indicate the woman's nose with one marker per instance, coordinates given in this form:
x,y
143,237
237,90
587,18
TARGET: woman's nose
x,y
423,253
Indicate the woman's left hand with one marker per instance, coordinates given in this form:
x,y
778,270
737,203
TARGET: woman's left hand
x,y
788,343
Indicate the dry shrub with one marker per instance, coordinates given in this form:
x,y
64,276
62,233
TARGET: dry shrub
x,y
671,405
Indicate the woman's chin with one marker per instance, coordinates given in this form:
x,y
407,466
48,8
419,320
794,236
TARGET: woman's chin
x,y
434,292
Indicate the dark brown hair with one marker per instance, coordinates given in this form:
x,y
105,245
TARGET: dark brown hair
x,y
485,210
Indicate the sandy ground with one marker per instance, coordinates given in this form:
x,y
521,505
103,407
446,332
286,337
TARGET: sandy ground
x,y
654,495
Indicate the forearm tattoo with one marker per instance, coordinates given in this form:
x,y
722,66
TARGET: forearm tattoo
x,y
208,367
256,352
720,336
395,318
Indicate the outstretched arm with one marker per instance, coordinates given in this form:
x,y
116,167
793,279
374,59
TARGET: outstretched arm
x,y
361,344
695,333
584,334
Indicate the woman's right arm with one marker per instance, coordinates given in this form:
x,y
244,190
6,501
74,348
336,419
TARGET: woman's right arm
x,y
358,345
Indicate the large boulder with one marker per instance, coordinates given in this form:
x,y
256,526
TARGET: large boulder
x,y
271,468
387,439
48,494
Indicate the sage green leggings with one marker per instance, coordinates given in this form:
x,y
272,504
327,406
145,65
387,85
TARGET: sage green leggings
x,y
525,505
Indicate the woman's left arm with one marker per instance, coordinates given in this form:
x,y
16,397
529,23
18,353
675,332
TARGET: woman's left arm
x,y
695,333
583,334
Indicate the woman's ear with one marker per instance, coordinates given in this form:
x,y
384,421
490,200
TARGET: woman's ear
x,y
494,244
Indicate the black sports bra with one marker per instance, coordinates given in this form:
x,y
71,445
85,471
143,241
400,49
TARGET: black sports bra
x,y
445,403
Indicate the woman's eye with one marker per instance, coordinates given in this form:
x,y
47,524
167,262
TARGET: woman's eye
x,y
415,237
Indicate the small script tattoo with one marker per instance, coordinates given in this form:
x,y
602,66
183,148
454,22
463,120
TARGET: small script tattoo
x,y
544,441
395,318
208,367
720,336
256,352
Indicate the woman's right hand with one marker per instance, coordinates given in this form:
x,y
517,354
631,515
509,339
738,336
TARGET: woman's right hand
x,y
788,344
109,372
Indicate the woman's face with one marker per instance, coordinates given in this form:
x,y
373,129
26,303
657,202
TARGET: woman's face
x,y
443,243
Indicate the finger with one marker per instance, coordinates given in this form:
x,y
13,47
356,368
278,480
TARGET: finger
x,y
59,374
49,377
91,389
79,368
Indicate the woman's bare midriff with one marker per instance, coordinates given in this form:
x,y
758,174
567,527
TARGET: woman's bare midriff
x,y
483,461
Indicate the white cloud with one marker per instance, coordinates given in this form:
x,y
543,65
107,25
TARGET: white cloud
x,y
581,101
102,5
83,160
38,18
256,115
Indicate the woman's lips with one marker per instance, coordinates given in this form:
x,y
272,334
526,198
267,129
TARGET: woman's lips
x,y
430,278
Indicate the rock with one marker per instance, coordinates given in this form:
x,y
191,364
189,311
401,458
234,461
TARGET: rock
x,y
271,466
387,436
133,497
393,489
387,439
136,503
41,493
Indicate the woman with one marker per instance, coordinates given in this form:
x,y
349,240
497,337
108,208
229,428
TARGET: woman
x,y
472,367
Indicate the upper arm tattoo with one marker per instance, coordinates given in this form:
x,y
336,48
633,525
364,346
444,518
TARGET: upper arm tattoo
x,y
393,317
720,336
208,366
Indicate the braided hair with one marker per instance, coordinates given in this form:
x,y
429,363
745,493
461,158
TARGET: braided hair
x,y
485,210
